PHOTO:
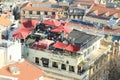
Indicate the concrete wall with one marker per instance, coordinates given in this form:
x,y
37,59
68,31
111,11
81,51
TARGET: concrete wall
x,y
96,20
2,57
14,52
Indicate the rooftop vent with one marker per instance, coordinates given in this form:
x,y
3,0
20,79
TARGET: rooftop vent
x,y
21,60
14,70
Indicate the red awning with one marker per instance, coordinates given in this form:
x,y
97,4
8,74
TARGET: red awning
x,y
51,22
72,48
60,45
46,42
61,28
37,45
21,34
26,27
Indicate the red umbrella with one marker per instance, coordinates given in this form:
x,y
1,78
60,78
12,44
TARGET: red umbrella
x,y
21,34
60,45
60,29
26,27
72,48
52,22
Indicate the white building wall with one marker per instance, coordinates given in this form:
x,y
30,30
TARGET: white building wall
x,y
14,52
2,57
49,13
57,58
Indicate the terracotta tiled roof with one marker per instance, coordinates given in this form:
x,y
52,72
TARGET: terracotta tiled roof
x,y
30,7
91,28
100,10
27,71
7,12
84,2
4,21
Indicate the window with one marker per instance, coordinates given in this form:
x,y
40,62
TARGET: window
x,y
73,16
93,69
93,47
78,16
54,64
88,51
10,57
30,12
79,69
38,12
92,14
63,66
95,23
102,25
27,54
36,60
104,71
85,54
97,66
23,12
53,13
71,68
45,62
45,13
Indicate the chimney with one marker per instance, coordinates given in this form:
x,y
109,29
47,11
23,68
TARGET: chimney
x,y
14,70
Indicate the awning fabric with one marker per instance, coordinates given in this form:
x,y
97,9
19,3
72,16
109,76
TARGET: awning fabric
x,y
42,44
72,48
61,28
51,22
60,45
26,27
46,42
21,34
39,46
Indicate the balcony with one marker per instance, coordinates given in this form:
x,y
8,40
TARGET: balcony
x,y
57,53
64,75
100,53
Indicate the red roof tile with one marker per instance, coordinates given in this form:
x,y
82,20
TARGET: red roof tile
x,y
29,6
27,71
100,10
4,21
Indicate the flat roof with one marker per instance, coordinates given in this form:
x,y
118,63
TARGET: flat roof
x,y
80,38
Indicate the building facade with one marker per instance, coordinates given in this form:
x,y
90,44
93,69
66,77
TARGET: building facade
x,y
100,15
85,64
36,10
8,54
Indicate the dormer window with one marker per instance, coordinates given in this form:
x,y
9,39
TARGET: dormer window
x,y
92,14
105,16
115,18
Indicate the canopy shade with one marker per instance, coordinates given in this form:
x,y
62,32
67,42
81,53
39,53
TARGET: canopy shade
x,y
72,48
46,42
21,34
51,22
60,45
61,29
26,27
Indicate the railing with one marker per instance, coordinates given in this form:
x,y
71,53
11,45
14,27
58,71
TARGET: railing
x,y
57,53
71,75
